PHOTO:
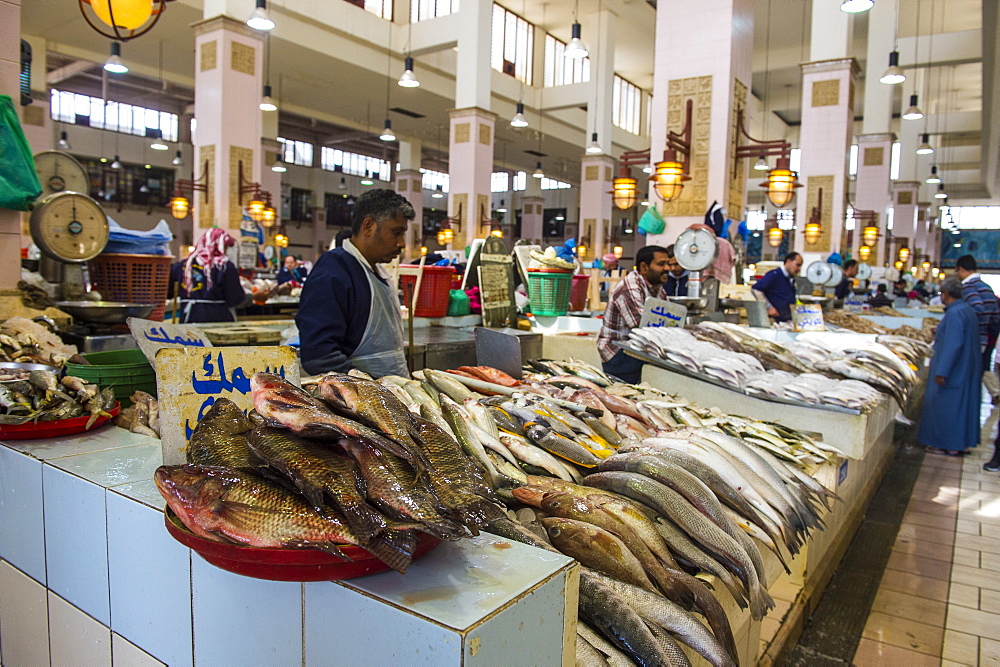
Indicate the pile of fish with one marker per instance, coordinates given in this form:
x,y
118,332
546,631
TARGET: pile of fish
x,y
25,341
805,370
43,397
645,503
852,322
143,416
350,465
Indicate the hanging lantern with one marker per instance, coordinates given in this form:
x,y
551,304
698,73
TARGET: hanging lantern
x,y
774,236
128,14
904,254
668,179
864,252
423,251
581,250
255,209
497,233
898,265
869,234
813,232
281,240
624,192
268,216
781,183
926,266
179,207
935,271
618,252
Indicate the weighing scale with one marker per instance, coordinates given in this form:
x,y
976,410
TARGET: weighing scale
x,y
696,250
60,172
819,273
864,271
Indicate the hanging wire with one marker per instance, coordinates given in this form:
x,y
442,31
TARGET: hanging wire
x,y
916,46
767,66
895,28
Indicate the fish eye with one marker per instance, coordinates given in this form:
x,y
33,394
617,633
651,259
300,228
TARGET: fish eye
x,y
554,532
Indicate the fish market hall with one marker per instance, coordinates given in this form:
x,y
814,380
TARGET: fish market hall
x,y
483,333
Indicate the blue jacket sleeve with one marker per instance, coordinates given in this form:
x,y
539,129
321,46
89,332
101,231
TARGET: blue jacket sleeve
x,y
332,315
232,289
948,340
765,282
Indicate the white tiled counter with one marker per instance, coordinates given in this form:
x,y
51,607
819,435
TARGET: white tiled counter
x,y
90,576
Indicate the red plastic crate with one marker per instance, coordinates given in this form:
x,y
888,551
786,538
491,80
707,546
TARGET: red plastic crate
x,y
435,289
129,278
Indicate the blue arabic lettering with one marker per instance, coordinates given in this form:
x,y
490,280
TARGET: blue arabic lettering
x,y
164,337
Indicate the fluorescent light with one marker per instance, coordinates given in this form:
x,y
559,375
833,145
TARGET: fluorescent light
x,y
260,19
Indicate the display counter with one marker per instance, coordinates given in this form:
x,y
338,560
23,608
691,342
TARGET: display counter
x,y
89,575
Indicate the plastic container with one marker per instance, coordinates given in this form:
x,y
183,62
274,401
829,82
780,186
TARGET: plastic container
x,y
133,279
435,290
124,370
578,291
549,290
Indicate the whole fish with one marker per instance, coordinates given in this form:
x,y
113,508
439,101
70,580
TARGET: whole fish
x,y
537,457
561,446
220,502
320,474
587,655
447,384
612,655
220,438
391,484
462,425
727,550
281,402
596,548
668,645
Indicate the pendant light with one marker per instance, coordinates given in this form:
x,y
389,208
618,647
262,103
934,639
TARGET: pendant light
x,y
894,74
813,232
519,119
594,148
869,235
775,236
387,133
116,163
933,179
266,102
63,144
761,164
438,192
178,159
343,183
538,173
158,144
904,254
260,19
940,194
279,166
114,62
913,112
856,6
925,147
408,78
576,49
864,253
624,192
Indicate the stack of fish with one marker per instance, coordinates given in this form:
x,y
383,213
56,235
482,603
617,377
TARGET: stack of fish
x,y
25,341
43,397
143,416
308,475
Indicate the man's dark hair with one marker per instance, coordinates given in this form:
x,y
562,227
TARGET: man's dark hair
x,y
849,263
380,205
647,253
966,262
670,251
341,236
790,256
881,289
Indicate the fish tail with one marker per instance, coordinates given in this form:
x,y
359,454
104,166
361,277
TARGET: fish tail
x,y
760,603
364,521
478,513
394,548
717,621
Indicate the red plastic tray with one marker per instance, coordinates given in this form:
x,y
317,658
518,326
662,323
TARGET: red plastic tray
x,y
286,564
54,429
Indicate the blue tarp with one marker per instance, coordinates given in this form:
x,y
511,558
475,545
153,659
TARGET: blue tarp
x,y
152,242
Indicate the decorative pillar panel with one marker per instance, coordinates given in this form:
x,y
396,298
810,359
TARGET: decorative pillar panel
x,y
228,83
470,165
10,73
872,190
904,218
409,183
825,140
595,202
716,38
532,219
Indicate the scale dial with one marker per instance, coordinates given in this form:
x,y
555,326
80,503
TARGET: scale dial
x,y
864,271
837,275
696,249
60,172
69,227
819,273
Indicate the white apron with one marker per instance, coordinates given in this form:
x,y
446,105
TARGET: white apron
x,y
381,349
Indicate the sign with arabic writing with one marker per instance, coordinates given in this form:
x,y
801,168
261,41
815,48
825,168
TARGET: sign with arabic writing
x,y
189,380
661,313
152,336
808,317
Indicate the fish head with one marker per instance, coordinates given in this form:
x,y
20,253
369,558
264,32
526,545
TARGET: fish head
x,y
563,504
189,487
530,494
341,391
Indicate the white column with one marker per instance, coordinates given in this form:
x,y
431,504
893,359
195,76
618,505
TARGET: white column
x,y
409,184
602,74
704,52
872,192
472,69
878,96
228,85
905,222
825,139
596,172
832,31
470,163
532,220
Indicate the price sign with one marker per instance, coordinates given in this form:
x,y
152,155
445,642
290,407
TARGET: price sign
x,y
496,284
807,317
189,381
660,313
152,336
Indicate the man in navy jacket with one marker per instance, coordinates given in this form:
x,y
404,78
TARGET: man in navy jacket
x,y
676,283
778,287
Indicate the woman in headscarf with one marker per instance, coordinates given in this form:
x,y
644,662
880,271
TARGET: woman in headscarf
x,y
208,283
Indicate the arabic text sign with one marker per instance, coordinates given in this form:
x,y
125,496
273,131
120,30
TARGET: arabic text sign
x,y
151,336
190,380
808,317
660,313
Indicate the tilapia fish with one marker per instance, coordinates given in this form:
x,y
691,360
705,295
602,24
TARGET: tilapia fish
x,y
281,402
228,505
220,438
320,474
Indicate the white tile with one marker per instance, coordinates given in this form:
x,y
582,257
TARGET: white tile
x,y
335,613
244,621
112,467
75,638
24,619
126,654
145,563
22,537
76,542
100,439
144,491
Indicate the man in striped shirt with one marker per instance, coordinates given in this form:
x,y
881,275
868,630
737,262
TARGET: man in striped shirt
x,y
625,310
980,296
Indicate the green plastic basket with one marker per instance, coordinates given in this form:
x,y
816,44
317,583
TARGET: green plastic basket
x,y
123,370
549,290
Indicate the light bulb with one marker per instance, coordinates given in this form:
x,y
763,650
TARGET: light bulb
x,y
260,19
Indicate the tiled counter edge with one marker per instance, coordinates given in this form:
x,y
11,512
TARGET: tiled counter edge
x,y
89,573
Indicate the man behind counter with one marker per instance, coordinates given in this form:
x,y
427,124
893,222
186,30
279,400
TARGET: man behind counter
x,y
778,287
349,309
850,271
676,281
625,310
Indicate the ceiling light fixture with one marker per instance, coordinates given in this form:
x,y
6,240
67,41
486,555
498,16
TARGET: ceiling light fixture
x,y
408,78
158,144
266,103
63,144
387,133
913,112
925,147
178,159
594,148
538,173
116,163
894,73
114,62
933,179
576,49
519,119
856,6
126,18
940,194
260,19
343,183
761,164
279,166
438,193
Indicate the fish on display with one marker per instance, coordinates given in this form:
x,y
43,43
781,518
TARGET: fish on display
x,y
226,505
220,438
